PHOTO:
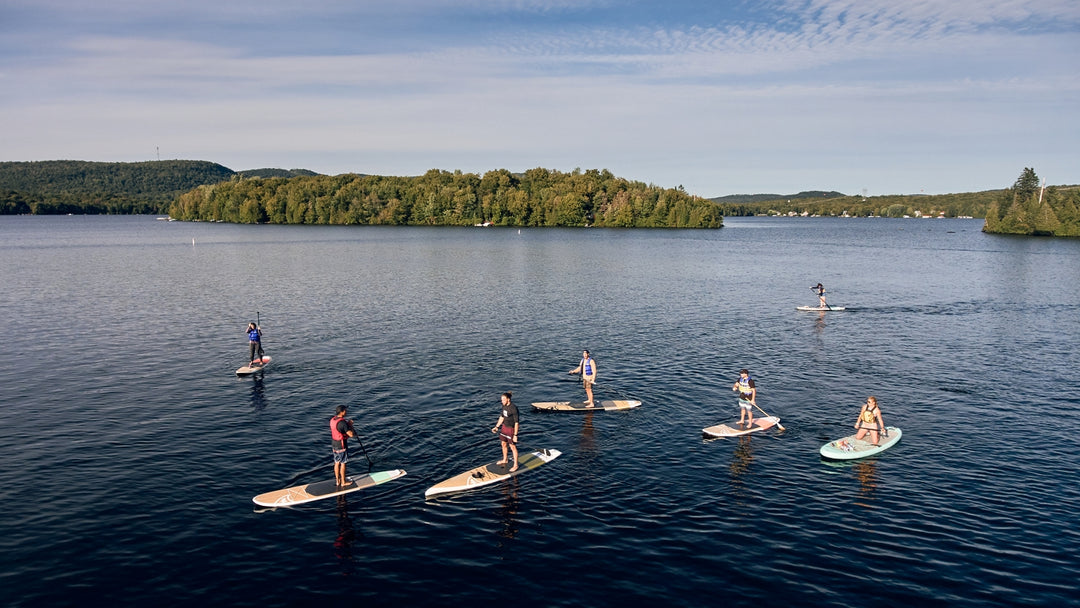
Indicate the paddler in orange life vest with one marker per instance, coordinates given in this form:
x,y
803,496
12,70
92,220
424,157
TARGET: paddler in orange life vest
x,y
340,431
587,369
747,394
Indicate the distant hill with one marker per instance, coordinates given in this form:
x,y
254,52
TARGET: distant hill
x,y
739,199
75,186
268,173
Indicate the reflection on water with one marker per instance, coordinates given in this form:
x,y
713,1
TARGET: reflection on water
x,y
741,458
587,442
508,513
258,398
866,473
346,535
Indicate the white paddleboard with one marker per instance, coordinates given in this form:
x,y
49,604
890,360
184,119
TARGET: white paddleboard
x,y
734,429
850,448
820,308
298,495
249,369
567,406
492,473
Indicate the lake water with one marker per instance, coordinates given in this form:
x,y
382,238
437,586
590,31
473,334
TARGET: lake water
x,y
130,451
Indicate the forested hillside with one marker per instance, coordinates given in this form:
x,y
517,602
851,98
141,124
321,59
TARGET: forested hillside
x,y
71,186
1028,209
538,197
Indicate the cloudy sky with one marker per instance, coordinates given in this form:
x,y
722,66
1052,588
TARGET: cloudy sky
x,y
720,97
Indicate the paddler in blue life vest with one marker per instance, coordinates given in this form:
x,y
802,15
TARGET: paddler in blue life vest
x,y
820,289
340,431
747,394
254,344
587,369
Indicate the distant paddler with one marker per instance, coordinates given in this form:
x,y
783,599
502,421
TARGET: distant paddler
x,y
820,289
587,369
254,344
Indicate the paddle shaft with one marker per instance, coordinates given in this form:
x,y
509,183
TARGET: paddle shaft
x,y
778,425
362,448
258,326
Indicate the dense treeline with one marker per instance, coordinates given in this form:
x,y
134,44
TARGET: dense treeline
x,y
538,197
1028,209
275,172
16,203
741,199
967,204
70,186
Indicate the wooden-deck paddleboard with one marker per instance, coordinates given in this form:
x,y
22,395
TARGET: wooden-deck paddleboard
x,y
298,495
820,308
734,429
850,448
492,473
249,369
567,406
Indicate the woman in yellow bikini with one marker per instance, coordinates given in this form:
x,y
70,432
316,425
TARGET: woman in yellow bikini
x,y
870,421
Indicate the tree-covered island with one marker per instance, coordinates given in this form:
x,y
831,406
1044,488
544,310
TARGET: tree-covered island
x,y
1027,208
537,197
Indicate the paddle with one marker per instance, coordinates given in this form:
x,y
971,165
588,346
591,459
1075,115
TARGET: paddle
x,y
362,448
258,326
778,425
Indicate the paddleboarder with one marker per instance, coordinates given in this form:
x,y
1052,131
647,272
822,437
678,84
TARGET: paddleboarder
x,y
340,431
747,395
507,428
869,421
587,369
254,343
820,289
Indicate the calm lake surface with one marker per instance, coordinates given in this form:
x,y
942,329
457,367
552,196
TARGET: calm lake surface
x,y
130,451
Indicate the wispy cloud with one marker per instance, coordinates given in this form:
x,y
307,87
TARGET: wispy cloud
x,y
719,104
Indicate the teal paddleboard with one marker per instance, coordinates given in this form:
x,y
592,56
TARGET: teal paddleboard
x,y
850,448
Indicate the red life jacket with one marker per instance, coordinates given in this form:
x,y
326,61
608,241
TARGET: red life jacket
x,y
338,439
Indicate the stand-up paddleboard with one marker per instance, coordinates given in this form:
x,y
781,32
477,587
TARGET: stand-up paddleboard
x,y
298,495
820,308
850,448
492,473
567,406
249,369
735,429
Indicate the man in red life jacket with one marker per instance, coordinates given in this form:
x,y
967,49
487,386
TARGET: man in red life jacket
x,y
340,431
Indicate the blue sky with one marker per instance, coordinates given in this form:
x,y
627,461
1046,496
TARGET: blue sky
x,y
718,97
